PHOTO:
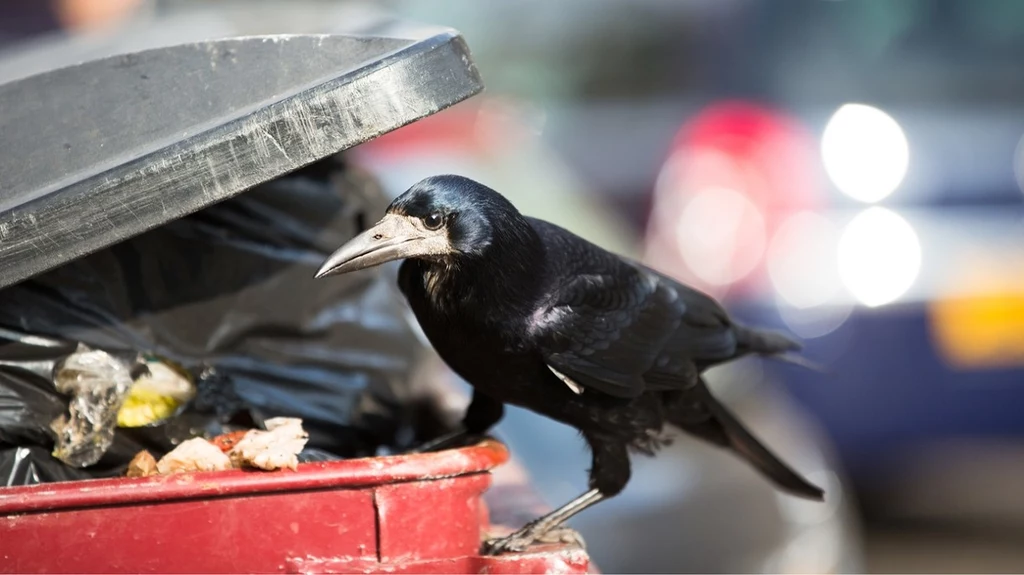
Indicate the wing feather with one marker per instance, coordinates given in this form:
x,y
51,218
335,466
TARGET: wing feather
x,y
618,327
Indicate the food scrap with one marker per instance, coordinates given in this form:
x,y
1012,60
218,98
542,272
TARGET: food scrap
x,y
142,465
196,454
227,441
276,448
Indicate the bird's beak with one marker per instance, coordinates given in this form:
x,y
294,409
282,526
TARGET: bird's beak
x,y
393,238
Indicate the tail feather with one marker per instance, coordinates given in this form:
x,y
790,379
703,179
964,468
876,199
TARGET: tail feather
x,y
764,342
744,443
801,361
773,344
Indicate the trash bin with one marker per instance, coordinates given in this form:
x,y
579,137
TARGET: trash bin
x,y
418,513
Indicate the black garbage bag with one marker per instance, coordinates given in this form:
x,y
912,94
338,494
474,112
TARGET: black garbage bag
x,y
228,294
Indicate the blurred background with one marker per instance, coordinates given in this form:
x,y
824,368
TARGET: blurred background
x,y
848,170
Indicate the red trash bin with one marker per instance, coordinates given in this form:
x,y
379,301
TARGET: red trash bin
x,y
420,513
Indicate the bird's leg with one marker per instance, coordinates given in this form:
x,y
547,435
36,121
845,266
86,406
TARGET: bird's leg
x,y
482,414
609,475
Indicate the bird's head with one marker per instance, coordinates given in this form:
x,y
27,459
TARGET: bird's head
x,y
439,218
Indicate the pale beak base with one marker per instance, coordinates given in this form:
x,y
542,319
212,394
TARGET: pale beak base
x,y
395,237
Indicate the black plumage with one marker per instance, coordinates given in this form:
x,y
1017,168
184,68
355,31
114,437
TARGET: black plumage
x,y
532,315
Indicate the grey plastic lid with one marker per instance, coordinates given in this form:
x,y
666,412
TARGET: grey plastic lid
x,y
98,152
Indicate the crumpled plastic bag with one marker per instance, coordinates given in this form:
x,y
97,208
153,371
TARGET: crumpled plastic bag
x,y
228,293
97,384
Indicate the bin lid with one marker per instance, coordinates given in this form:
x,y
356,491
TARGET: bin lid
x,y
98,152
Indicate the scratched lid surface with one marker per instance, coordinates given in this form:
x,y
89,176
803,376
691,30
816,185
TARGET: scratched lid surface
x,y
101,151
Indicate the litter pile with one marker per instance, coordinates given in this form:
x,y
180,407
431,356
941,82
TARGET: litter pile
x,y
207,344
276,448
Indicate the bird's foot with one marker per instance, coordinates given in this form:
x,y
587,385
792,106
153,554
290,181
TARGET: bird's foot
x,y
532,534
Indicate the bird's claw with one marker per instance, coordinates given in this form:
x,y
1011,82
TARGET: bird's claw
x,y
511,544
521,540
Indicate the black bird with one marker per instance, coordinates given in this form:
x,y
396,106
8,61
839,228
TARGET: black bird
x,y
532,315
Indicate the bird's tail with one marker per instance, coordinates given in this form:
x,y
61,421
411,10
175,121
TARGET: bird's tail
x,y
772,344
764,342
747,446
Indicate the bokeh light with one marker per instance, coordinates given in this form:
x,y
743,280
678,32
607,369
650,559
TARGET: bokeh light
x,y
801,260
865,152
879,256
720,235
818,321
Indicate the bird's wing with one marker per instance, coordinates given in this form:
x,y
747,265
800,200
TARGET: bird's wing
x,y
706,335
606,330
616,326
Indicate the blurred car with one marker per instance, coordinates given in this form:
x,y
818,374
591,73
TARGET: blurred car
x,y
901,267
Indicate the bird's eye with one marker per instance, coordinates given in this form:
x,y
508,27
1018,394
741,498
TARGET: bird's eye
x,y
433,221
